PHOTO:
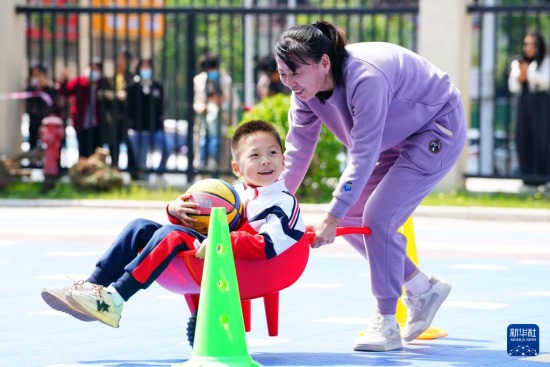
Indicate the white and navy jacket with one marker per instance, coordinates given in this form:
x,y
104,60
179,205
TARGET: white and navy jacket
x,y
273,222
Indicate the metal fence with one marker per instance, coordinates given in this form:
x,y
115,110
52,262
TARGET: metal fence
x,y
176,33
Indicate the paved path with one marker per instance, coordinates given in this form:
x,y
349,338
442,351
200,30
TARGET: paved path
x,y
498,268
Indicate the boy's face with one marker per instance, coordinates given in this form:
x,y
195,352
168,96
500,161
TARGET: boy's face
x,y
260,160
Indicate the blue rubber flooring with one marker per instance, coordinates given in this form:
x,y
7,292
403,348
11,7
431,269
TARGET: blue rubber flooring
x,y
500,272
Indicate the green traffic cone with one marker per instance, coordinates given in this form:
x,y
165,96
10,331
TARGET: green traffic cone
x,y
220,336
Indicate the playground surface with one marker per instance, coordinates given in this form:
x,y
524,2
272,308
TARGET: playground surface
x,y
498,269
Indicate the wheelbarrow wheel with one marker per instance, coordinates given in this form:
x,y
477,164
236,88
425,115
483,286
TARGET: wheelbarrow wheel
x,y
191,326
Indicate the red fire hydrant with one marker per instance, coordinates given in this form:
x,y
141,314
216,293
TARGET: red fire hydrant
x,y
52,133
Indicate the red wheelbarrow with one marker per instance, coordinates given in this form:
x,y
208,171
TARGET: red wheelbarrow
x,y
256,279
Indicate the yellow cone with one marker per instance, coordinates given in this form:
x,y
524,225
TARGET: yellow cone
x,y
401,314
220,336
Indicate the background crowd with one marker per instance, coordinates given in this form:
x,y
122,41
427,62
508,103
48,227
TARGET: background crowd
x,y
126,110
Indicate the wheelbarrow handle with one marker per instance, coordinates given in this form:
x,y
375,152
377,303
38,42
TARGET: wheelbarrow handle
x,y
340,231
310,235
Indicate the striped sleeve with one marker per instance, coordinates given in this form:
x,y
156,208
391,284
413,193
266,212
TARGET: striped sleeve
x,y
282,225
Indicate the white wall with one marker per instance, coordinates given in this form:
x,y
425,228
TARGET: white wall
x,y
12,75
445,40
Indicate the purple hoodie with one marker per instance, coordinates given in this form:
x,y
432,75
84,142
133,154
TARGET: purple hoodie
x,y
389,94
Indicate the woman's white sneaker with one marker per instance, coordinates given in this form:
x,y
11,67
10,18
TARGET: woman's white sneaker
x,y
382,335
422,308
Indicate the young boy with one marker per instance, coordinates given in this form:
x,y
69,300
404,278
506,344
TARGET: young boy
x,y
145,248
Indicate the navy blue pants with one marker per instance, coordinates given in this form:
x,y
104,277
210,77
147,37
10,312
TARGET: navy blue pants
x,y
140,254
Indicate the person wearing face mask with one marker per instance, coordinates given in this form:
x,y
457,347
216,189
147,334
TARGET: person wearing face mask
x,y
36,107
87,106
214,150
117,132
145,114
529,80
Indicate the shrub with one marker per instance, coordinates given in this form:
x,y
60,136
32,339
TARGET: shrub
x,y
324,171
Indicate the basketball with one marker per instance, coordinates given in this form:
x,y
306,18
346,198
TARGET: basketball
x,y
211,193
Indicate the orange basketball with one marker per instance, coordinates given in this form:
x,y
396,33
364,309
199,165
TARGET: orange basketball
x,y
211,193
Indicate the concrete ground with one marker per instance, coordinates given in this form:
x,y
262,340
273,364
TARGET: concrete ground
x,y
497,262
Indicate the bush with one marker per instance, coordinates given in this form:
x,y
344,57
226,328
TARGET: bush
x,y
324,171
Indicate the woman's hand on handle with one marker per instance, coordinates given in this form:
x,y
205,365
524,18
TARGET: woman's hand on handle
x,y
325,233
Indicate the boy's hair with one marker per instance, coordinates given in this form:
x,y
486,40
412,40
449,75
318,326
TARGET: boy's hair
x,y
249,128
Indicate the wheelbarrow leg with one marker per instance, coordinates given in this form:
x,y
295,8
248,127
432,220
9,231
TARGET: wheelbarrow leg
x,y
271,305
192,301
246,306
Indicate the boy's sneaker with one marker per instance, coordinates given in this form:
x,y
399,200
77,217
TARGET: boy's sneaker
x,y
421,308
381,335
58,299
97,302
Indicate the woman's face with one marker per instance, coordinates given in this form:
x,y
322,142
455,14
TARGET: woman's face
x,y
530,46
307,80
121,62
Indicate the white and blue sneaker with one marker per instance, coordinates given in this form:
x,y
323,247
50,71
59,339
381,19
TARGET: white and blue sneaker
x,y
97,303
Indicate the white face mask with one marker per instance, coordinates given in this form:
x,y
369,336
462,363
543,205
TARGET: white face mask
x,y
146,74
34,81
94,75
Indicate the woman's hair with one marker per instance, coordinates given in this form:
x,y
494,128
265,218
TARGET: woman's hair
x,y
123,50
209,61
97,62
142,61
539,44
304,43
42,67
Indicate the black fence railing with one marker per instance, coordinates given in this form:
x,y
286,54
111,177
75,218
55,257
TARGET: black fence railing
x,y
175,34
68,38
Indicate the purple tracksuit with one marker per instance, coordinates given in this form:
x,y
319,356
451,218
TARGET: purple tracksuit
x,y
403,124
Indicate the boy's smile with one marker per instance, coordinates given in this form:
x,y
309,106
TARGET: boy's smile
x,y
260,161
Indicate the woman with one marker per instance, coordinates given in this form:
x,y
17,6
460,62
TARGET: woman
x,y
36,107
213,148
530,80
403,124
87,111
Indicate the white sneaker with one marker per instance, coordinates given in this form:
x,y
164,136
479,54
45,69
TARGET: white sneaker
x,y
98,304
382,335
421,308
57,298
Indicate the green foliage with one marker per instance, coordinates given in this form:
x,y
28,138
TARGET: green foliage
x,y
63,190
324,170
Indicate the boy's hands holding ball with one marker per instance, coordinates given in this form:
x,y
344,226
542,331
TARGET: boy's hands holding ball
x,y
181,208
